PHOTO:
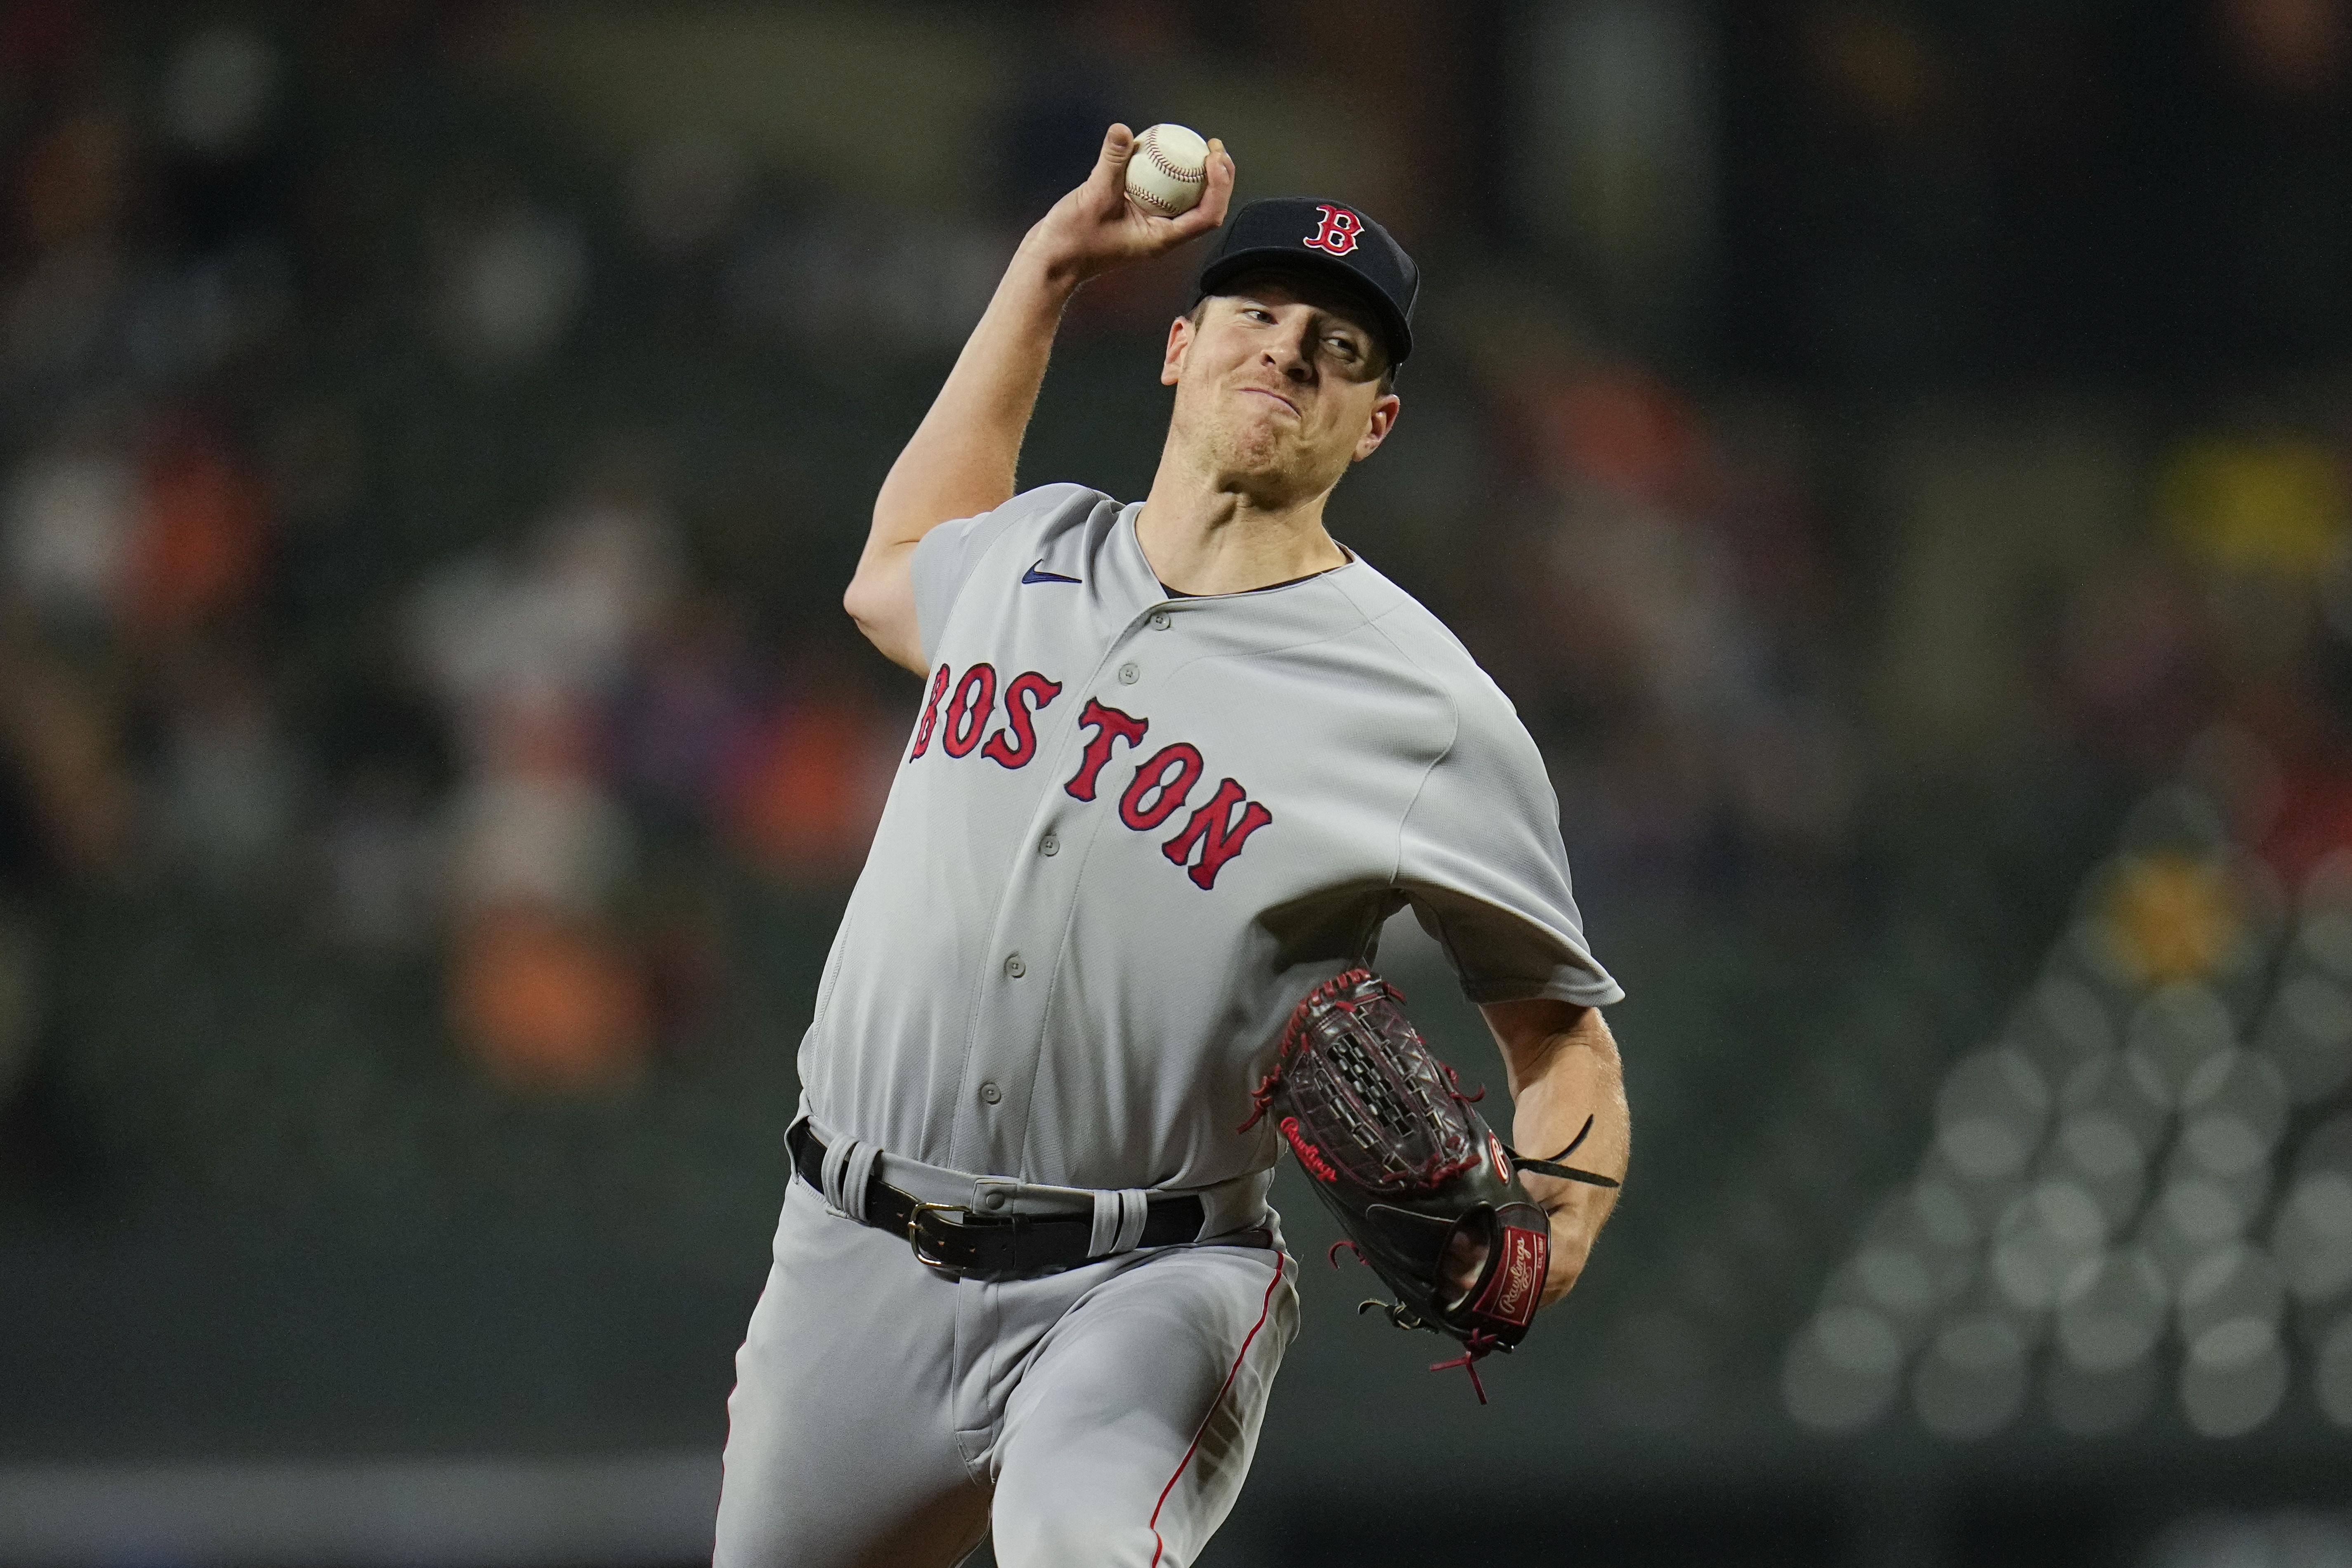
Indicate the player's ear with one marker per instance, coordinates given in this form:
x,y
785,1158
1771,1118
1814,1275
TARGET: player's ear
x,y
1378,425
1179,338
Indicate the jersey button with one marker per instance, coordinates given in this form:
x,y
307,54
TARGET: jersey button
x,y
1129,674
1049,844
1014,967
989,1094
1159,620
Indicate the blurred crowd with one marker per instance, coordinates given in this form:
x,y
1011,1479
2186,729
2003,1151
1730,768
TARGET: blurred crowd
x,y
351,571
423,525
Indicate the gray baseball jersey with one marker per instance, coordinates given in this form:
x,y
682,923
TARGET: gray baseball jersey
x,y
1131,828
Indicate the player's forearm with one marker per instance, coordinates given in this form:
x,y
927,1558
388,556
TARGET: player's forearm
x,y
1555,1085
960,460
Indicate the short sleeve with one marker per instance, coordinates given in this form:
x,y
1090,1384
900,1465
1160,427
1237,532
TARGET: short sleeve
x,y
946,556
1481,860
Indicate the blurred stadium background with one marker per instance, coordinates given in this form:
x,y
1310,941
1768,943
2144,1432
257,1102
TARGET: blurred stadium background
x,y
1893,451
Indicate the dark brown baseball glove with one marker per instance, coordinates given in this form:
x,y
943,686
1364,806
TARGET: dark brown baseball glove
x,y
1427,1194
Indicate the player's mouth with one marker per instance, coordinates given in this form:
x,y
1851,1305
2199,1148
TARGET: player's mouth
x,y
1268,392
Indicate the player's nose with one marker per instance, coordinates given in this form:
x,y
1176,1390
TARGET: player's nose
x,y
1292,357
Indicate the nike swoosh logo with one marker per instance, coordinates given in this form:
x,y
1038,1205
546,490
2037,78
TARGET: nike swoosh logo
x,y
1038,575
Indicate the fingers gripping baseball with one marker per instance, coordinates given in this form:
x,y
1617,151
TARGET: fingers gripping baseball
x,y
1095,229
1109,180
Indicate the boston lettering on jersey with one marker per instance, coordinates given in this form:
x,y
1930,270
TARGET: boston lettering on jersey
x,y
1158,788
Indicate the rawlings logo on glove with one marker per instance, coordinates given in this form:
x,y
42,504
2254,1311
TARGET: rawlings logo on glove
x,y
1429,1196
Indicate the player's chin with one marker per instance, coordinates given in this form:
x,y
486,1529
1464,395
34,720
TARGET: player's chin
x,y
1258,445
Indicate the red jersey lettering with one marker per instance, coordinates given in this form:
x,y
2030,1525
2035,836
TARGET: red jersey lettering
x,y
930,714
1217,831
975,698
1168,777
1109,725
1013,745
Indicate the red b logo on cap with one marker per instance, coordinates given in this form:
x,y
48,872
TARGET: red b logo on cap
x,y
1338,232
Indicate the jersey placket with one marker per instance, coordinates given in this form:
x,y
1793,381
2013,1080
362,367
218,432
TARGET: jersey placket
x,y
1031,929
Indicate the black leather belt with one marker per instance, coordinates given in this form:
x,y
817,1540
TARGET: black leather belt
x,y
954,1240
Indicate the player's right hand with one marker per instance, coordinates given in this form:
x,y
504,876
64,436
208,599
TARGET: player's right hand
x,y
1095,229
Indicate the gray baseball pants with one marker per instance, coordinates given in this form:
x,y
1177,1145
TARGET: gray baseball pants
x,y
883,1414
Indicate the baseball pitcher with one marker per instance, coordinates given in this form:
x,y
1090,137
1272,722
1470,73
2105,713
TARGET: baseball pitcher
x,y
1176,762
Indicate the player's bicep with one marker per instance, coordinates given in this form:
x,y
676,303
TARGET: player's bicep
x,y
881,599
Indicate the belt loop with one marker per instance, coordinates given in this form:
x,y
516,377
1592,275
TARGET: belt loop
x,y
848,1172
1134,1208
1105,1225
1118,1219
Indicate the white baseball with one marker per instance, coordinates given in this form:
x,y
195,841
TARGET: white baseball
x,y
1169,171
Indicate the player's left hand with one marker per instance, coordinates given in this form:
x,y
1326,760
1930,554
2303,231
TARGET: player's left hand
x,y
1095,229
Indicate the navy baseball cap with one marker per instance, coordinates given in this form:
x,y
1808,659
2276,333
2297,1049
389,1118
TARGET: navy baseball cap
x,y
1326,237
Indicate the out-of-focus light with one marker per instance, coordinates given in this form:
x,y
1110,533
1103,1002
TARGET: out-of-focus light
x,y
2328,883
219,91
2294,1539
2042,1239
66,524
1855,1339
1904,1267
2169,918
2331,1375
511,290
1970,1203
2326,938
2234,1107
1971,1382
2172,1035
2063,1024
2097,1150
1944,1214
1989,1112
2307,1035
2233,1377
1842,1371
2313,1235
2257,505
2230,1284
2202,1211
2105,1085
2197,1214
1897,1278
2112,1311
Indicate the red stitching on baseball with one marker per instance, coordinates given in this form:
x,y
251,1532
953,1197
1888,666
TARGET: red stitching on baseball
x,y
1149,145
1169,169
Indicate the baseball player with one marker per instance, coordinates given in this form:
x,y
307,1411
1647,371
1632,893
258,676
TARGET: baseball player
x,y
1176,762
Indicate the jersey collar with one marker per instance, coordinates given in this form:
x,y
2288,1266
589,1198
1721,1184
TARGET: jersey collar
x,y
1323,604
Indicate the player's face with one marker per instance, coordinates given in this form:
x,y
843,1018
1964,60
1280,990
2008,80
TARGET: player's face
x,y
1278,383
